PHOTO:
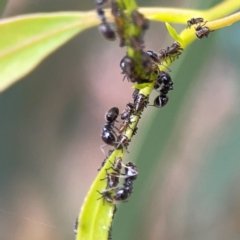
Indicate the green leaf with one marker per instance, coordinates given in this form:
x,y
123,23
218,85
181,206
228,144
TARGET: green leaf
x,y
174,33
26,40
96,214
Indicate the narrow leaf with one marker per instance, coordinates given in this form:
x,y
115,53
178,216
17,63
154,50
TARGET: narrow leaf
x,y
174,33
96,215
26,40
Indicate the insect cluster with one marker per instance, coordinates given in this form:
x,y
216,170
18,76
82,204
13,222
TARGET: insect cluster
x,y
142,67
201,30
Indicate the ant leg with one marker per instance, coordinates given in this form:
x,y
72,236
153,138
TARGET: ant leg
x,y
101,147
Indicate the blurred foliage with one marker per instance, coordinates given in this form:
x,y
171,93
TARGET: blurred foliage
x,y
188,185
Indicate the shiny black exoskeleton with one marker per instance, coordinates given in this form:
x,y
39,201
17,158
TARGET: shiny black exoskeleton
x,y
127,65
172,52
160,101
113,193
108,134
112,115
202,32
194,21
131,171
153,56
123,193
105,28
165,84
107,31
164,79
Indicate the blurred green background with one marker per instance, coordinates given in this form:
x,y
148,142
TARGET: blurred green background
x,y
187,153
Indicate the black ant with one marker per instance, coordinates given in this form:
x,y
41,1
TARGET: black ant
x,y
108,134
164,79
160,101
105,28
194,21
127,65
121,193
173,51
165,84
131,171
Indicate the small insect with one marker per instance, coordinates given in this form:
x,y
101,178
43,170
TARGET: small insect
x,y
125,125
140,102
107,31
122,142
112,114
194,21
123,193
153,56
165,80
131,171
202,32
76,226
130,108
112,179
117,165
105,28
110,233
106,195
119,21
108,134
135,94
147,63
120,194
127,65
139,20
160,101
172,52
